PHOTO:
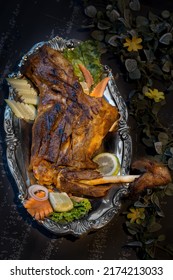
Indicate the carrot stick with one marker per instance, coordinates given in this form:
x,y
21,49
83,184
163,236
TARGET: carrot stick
x,y
87,75
98,91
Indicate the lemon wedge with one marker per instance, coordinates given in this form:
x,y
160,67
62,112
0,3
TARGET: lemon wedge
x,y
60,202
85,87
108,164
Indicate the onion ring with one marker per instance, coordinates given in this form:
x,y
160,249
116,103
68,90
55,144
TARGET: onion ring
x,y
36,188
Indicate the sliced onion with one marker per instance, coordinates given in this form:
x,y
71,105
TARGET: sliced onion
x,y
36,188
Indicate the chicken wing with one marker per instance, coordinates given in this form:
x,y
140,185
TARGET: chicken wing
x,y
156,174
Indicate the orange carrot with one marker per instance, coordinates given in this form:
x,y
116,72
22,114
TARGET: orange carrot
x,y
38,209
87,75
98,90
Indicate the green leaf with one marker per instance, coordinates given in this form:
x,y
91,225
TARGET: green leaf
x,y
156,108
113,15
155,200
91,11
158,158
130,64
154,227
148,142
168,152
135,5
112,40
125,23
139,204
149,55
103,25
169,189
156,69
160,213
155,45
154,27
165,14
149,241
100,15
158,147
102,48
166,38
98,35
141,21
122,5
135,75
163,137
132,228
148,132
167,66
128,16
161,238
134,244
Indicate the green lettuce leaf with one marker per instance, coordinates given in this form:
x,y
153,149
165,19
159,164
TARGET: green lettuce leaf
x,y
80,210
88,54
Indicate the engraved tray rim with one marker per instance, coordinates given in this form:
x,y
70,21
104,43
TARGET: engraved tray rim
x,y
111,204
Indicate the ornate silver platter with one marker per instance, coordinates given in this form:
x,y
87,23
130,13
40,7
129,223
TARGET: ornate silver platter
x,y
18,142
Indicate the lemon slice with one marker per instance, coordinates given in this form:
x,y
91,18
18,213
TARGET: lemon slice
x,y
60,202
85,87
108,163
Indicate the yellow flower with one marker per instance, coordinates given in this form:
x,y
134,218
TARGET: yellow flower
x,y
136,215
134,44
155,94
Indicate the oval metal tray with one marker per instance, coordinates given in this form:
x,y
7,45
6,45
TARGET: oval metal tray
x,y
18,141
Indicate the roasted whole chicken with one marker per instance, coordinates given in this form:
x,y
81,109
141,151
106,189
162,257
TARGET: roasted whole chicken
x,y
69,128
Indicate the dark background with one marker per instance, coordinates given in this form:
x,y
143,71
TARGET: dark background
x,y
22,24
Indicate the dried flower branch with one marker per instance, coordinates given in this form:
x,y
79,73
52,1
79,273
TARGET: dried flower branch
x,y
143,45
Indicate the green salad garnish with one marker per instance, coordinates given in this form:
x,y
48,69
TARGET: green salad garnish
x,y
80,210
86,53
